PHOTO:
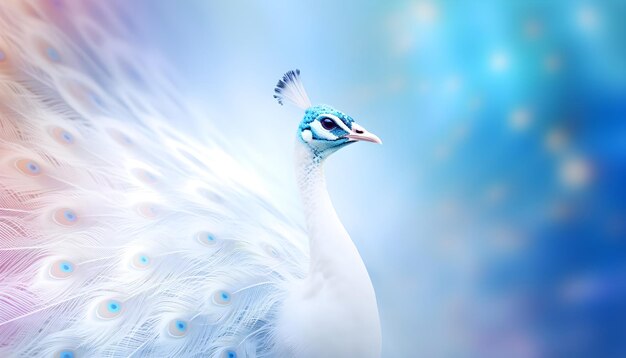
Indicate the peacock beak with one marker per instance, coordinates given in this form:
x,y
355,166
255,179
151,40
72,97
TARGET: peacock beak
x,y
359,133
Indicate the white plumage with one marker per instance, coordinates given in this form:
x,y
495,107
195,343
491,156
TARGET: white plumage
x,y
121,237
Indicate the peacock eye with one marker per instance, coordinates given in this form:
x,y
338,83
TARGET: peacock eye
x,y
178,328
109,309
328,124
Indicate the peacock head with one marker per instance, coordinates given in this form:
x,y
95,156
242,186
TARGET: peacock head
x,y
323,129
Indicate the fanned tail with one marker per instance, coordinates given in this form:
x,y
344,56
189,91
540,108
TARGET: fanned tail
x,y
120,235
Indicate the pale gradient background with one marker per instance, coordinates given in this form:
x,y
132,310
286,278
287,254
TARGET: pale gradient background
x,y
493,218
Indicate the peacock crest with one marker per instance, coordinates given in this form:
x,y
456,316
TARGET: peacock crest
x,y
291,89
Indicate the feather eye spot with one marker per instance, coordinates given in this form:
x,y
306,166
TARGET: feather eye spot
x,y
62,136
113,307
66,267
32,167
206,238
28,167
229,353
148,211
69,216
178,328
66,353
65,217
222,298
53,54
141,261
109,309
61,269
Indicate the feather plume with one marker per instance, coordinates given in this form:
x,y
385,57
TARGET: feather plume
x,y
290,88
119,235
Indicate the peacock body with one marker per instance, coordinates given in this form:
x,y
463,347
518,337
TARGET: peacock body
x,y
120,236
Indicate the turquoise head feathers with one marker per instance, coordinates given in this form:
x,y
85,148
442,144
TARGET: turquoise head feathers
x,y
324,128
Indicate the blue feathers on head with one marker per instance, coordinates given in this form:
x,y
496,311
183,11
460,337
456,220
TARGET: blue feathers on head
x,y
337,124
323,128
321,110
326,123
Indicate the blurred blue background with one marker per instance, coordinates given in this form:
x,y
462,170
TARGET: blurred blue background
x,y
493,218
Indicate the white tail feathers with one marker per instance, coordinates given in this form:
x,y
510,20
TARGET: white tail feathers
x,y
290,88
119,234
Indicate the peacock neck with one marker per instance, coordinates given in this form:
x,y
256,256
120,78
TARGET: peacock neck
x,y
333,312
332,252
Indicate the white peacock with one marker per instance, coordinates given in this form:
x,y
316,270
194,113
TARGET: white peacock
x,y
120,236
